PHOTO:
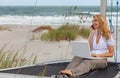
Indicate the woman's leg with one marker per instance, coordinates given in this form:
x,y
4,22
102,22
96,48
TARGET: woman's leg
x,y
88,65
99,64
75,61
84,67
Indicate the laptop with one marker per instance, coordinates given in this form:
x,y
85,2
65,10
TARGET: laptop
x,y
81,49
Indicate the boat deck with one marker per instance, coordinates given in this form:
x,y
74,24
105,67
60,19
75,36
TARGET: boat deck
x,y
47,70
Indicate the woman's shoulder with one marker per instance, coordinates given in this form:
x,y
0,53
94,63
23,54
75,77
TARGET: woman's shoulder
x,y
109,33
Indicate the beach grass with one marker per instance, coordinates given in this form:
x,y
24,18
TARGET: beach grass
x,y
10,59
84,32
43,72
2,28
65,32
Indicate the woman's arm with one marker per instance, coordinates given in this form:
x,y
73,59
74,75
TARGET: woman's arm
x,y
109,54
90,39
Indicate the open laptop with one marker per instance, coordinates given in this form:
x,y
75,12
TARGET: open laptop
x,y
81,49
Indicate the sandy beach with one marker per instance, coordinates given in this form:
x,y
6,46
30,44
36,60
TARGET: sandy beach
x,y
16,38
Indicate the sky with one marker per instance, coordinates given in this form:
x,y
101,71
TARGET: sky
x,y
53,2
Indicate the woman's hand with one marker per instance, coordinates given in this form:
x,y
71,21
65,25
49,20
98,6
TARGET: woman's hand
x,y
92,30
95,55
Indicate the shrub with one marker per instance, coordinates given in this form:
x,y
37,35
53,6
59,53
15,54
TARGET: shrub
x,y
65,32
84,32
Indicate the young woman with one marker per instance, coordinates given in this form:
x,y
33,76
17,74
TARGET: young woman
x,y
101,45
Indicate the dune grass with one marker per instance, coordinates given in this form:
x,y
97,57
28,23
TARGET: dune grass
x,y
10,59
65,32
84,32
2,28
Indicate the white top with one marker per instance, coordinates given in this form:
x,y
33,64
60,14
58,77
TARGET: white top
x,y
102,46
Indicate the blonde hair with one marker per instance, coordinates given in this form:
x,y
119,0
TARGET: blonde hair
x,y
103,25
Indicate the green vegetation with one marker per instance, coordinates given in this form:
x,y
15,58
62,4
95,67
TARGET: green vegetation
x,y
64,32
43,72
10,59
84,32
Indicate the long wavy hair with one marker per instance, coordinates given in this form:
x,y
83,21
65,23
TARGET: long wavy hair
x,y
103,25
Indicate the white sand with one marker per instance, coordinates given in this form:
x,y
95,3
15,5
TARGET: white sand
x,y
19,37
